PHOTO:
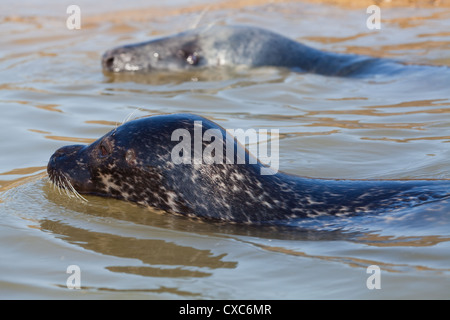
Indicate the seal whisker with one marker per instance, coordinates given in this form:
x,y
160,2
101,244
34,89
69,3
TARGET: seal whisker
x,y
199,18
59,185
64,188
69,188
62,184
128,117
53,184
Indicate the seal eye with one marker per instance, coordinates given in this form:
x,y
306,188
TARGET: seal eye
x,y
191,57
103,150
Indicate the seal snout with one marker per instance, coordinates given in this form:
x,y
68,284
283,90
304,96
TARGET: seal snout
x,y
60,156
108,60
119,59
66,170
66,151
108,63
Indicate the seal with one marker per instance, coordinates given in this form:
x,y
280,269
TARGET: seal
x,y
229,46
141,161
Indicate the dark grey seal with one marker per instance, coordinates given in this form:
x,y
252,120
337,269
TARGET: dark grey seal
x,y
135,162
221,46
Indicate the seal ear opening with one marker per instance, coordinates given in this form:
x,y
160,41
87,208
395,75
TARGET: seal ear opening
x,y
130,157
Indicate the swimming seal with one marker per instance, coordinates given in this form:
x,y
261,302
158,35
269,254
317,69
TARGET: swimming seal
x,y
135,162
220,46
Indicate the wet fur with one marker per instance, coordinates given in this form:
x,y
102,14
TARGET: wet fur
x,y
230,46
133,163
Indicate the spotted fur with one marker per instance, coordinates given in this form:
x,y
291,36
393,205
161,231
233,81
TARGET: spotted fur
x,y
133,163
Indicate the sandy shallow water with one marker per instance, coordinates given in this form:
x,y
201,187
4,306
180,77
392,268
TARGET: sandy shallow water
x,y
53,93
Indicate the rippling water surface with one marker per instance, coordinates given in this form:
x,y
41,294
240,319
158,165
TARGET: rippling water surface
x,y
53,93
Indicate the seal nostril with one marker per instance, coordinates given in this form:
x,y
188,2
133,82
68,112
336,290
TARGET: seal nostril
x,y
109,62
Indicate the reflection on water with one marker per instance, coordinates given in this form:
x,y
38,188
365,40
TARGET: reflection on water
x,y
53,93
154,245
149,251
356,262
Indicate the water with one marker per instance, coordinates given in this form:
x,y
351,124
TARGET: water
x,y
53,93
